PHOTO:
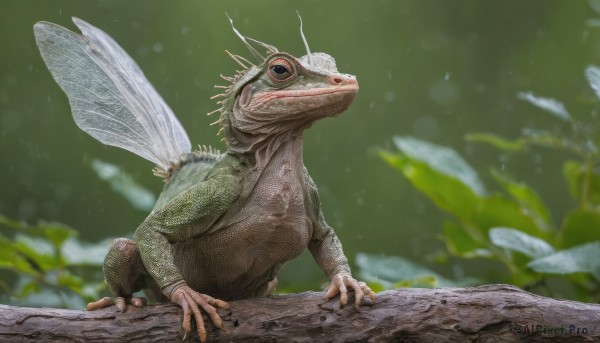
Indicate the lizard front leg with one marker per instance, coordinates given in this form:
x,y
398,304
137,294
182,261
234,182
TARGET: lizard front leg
x,y
188,215
326,249
157,256
328,253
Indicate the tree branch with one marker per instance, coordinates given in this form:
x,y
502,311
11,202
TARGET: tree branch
x,y
493,313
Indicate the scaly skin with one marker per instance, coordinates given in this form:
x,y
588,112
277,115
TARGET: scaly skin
x,y
224,225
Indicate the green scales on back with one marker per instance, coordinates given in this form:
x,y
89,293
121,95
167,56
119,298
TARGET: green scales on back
x,y
224,223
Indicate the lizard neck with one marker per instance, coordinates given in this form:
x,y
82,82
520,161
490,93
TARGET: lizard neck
x,y
259,140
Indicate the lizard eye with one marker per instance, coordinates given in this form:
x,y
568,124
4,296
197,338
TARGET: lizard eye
x,y
280,70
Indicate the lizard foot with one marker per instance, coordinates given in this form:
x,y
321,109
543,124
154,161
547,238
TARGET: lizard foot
x,y
189,300
121,303
339,285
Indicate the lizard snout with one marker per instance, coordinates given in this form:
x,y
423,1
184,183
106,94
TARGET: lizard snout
x,y
343,80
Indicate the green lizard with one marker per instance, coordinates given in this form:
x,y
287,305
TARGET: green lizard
x,y
224,223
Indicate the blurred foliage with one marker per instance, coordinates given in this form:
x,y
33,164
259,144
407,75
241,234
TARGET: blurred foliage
x,y
50,266
514,227
389,272
124,184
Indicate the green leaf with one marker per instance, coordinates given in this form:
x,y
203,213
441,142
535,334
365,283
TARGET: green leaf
x,y
427,281
552,106
77,253
527,197
7,253
516,240
581,226
555,141
583,182
38,252
29,287
593,75
392,270
496,211
11,259
57,233
445,191
138,196
71,281
461,243
442,159
10,223
497,141
572,171
583,258
376,286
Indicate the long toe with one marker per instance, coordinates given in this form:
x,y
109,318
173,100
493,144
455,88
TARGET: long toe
x,y
102,303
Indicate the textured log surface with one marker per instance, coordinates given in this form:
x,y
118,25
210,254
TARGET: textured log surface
x,y
492,313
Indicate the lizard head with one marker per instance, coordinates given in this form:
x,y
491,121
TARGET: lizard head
x,y
292,89
282,95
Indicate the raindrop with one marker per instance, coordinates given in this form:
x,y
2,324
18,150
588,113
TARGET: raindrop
x,y
389,96
444,92
447,76
157,47
185,30
480,88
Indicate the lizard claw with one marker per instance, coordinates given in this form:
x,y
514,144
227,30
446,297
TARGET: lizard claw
x,y
121,303
189,300
339,285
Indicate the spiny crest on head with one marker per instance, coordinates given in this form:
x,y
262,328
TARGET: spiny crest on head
x,y
246,65
260,58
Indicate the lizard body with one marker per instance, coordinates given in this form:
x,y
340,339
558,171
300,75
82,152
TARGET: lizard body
x,y
224,224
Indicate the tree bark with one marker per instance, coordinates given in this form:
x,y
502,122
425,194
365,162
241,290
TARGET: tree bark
x,y
493,313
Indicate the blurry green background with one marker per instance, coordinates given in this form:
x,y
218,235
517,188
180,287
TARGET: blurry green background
x,y
432,69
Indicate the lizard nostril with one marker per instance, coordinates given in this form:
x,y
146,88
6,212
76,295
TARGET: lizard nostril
x,y
342,80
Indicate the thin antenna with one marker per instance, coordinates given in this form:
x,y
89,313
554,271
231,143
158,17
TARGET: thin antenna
x,y
253,51
271,49
310,60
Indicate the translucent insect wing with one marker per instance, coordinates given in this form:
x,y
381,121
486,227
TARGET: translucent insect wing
x,y
110,97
